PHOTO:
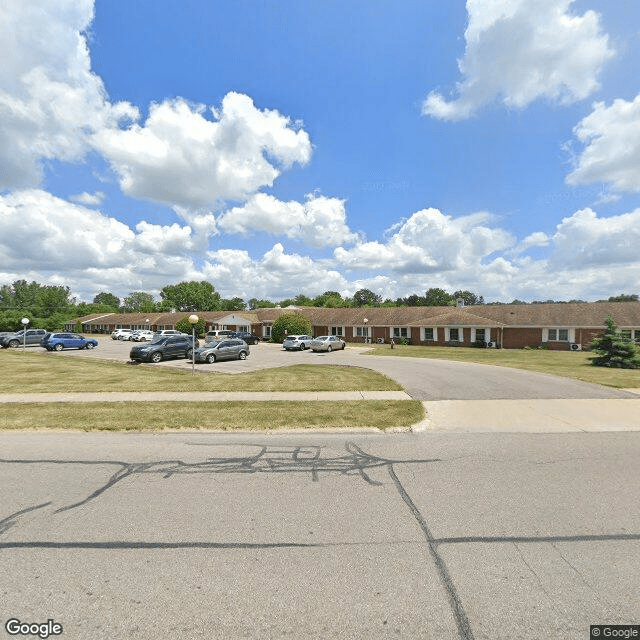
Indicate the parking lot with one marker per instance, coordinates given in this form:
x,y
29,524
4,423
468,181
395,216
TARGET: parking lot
x,y
264,355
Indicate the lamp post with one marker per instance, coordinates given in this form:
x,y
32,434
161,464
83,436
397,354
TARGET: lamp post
x,y
193,320
366,329
25,322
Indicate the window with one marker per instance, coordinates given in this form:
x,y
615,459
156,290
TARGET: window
x,y
429,334
480,335
337,331
558,335
454,335
400,332
266,331
362,332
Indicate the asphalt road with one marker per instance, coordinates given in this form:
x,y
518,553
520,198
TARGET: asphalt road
x,y
438,536
423,379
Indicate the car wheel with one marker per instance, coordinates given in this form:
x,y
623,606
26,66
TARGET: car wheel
x,y
58,347
14,343
142,340
242,355
189,354
303,346
156,357
211,358
89,345
343,346
329,349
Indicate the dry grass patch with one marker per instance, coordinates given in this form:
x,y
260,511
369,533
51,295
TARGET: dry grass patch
x,y
569,364
37,373
225,416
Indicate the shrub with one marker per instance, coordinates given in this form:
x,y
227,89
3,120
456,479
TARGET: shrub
x,y
614,349
293,323
184,326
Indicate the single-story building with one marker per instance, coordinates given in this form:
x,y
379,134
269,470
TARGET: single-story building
x,y
562,326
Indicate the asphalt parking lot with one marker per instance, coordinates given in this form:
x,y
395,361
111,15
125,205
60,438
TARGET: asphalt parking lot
x,y
264,355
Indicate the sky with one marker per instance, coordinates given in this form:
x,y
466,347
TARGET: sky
x,y
302,146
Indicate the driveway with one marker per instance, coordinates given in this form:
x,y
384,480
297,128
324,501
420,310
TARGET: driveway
x,y
422,378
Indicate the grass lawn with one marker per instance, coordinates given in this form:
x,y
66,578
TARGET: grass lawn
x,y
33,373
570,364
225,416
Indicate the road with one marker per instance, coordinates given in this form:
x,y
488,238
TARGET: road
x,y
438,536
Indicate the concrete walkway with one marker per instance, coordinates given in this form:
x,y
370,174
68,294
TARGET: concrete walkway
x,y
205,396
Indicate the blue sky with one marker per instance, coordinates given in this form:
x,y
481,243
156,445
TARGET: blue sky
x,y
298,147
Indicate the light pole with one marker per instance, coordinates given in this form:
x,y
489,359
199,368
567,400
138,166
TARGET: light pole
x,y
193,320
25,322
366,330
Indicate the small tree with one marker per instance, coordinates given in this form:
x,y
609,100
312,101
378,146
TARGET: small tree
x,y
293,323
184,326
614,349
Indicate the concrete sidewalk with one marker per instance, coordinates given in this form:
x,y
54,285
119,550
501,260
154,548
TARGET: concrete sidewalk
x,y
204,396
531,416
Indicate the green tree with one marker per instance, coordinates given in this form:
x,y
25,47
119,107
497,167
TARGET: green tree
x,y
624,297
468,297
293,324
105,298
330,299
185,326
366,298
254,303
191,296
439,298
138,302
614,349
233,304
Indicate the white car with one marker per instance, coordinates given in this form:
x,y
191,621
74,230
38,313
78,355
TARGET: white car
x,y
121,334
296,342
142,335
327,343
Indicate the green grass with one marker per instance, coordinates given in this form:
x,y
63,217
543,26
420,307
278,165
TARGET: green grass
x,y
36,373
569,364
225,416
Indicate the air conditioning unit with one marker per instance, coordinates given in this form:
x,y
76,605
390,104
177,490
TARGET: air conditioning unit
x,y
380,340
576,347
491,345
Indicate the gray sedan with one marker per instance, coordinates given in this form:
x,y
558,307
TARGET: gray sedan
x,y
223,350
327,343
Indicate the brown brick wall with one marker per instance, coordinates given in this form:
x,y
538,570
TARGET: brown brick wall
x,y
513,338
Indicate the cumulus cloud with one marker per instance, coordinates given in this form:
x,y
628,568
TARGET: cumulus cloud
x,y
276,275
88,199
318,222
611,135
518,51
181,158
59,239
50,101
429,242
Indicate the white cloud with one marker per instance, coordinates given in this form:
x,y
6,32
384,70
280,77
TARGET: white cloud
x,y
318,222
430,242
50,101
276,275
181,158
611,136
88,199
519,51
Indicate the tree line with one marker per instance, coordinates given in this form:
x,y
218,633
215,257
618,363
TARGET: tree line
x,y
50,306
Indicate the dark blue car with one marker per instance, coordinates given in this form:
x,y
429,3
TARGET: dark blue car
x,y
60,341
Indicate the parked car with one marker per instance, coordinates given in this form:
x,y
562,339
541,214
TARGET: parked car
x,y
248,337
327,343
60,341
216,335
233,349
170,332
121,334
142,335
163,348
297,342
18,338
